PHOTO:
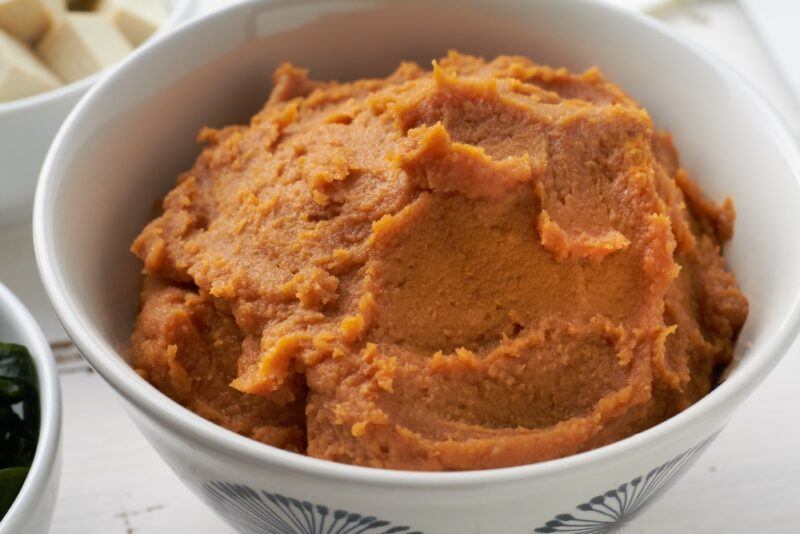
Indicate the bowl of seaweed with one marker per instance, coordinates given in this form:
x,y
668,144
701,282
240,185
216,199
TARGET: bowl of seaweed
x,y
19,420
30,420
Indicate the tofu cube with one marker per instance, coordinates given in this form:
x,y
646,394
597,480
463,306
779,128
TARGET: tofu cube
x,y
27,20
81,44
21,72
137,19
56,8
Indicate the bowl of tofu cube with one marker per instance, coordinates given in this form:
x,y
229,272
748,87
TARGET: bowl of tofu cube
x,y
51,52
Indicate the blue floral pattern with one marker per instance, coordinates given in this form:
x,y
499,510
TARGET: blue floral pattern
x,y
608,512
262,512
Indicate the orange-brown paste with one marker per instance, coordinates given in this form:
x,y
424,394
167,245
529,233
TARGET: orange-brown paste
x,y
490,264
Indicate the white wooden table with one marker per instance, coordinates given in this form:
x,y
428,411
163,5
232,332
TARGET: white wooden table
x,y
748,481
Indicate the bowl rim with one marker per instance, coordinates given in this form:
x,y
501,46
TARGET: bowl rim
x,y
111,365
181,10
44,460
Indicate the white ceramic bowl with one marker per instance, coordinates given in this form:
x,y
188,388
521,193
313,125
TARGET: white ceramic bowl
x,y
33,509
28,126
124,144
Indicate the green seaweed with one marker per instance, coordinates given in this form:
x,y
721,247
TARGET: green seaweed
x,y
11,481
19,420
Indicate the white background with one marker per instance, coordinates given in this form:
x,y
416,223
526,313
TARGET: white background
x,y
748,481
